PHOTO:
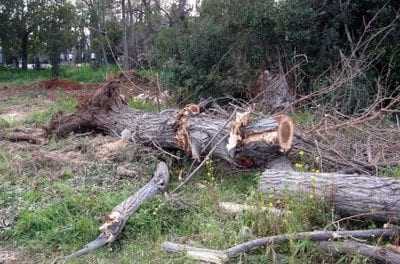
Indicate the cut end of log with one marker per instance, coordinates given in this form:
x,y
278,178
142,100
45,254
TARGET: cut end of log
x,y
280,134
285,132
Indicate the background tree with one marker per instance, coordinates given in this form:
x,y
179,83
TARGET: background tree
x,y
57,31
20,18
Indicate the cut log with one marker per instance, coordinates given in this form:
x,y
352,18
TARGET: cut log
x,y
222,256
356,248
376,198
252,141
116,220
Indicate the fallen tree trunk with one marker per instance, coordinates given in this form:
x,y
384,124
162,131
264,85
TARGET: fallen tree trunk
x,y
116,220
356,248
248,141
222,256
376,198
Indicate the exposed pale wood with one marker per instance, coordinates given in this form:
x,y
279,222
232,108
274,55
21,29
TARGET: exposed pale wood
x,y
350,194
381,254
221,256
261,139
235,208
116,220
201,254
124,172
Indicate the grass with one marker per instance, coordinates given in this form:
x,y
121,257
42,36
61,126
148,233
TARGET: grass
x,y
304,118
81,74
56,217
4,123
64,104
391,172
142,105
87,74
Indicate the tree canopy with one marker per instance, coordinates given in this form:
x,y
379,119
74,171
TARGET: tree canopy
x,y
218,47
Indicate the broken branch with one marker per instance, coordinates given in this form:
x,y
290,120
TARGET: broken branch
x,y
356,248
117,219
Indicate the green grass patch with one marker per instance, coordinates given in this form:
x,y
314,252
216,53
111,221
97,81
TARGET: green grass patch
x,y
81,74
64,104
68,221
393,171
303,118
5,164
18,77
143,105
4,123
58,217
87,74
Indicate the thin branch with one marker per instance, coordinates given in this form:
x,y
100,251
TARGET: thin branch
x,y
222,256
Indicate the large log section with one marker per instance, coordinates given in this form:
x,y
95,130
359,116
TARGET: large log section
x,y
372,197
243,140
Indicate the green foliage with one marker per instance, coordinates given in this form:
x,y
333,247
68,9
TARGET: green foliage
x,y
18,21
212,56
56,31
222,50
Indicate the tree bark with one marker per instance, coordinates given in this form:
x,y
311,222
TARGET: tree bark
x,y
249,142
55,65
182,10
377,198
24,51
356,248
